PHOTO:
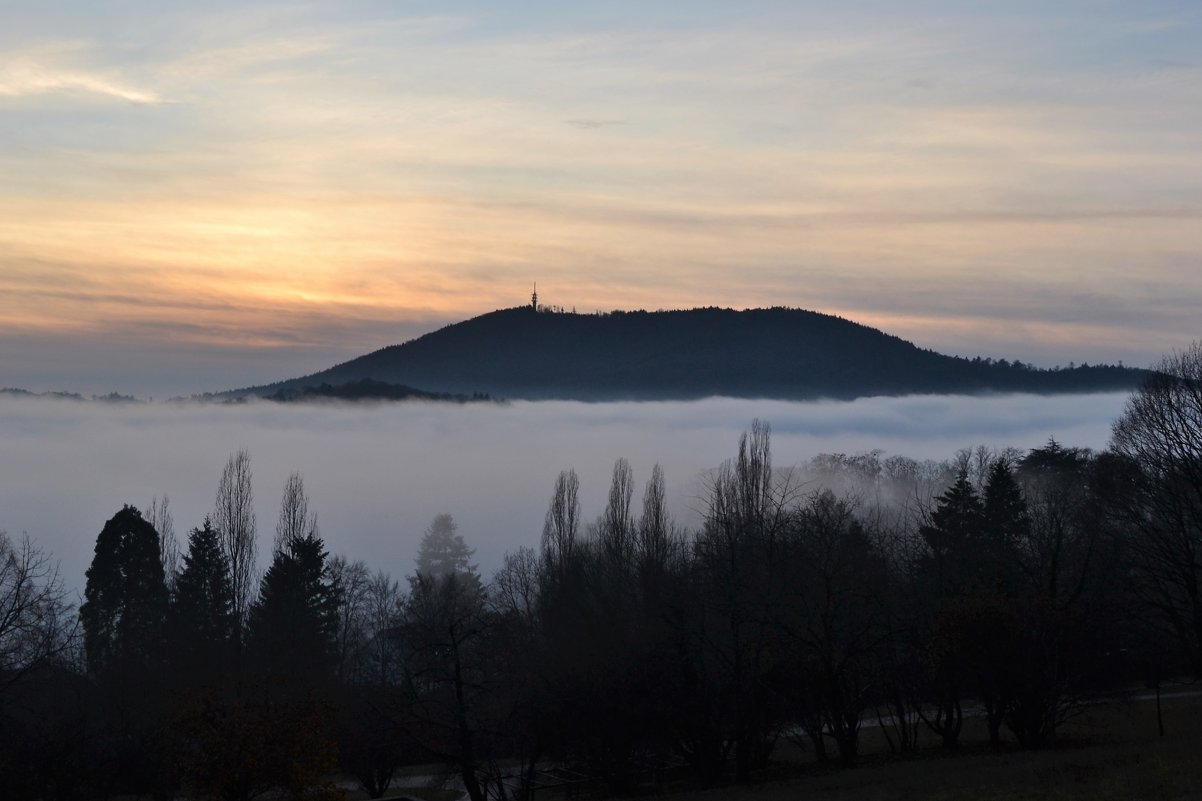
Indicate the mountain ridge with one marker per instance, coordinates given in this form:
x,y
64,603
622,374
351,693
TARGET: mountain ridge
x,y
781,353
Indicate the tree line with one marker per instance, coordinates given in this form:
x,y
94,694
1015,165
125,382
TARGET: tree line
x,y
1015,585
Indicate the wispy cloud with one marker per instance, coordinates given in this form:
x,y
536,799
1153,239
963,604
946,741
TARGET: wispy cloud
x,y
26,79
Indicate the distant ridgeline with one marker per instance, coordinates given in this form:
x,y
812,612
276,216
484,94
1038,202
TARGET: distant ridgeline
x,y
367,389
112,397
529,353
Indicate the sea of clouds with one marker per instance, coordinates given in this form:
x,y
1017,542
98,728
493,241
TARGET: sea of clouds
x,y
378,474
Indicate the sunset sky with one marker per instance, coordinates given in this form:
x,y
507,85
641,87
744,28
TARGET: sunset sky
x,y
196,196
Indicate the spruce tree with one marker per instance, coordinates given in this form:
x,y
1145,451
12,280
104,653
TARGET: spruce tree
x,y
443,551
294,622
202,619
1007,524
954,534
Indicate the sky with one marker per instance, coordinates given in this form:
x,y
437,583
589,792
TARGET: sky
x,y
197,196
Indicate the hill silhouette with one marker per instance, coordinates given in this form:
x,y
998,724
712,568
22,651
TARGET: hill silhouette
x,y
522,353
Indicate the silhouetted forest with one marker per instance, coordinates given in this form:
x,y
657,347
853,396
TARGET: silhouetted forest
x,y
1020,586
679,355
112,397
368,390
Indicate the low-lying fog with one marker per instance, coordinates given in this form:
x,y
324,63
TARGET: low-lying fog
x,y
376,475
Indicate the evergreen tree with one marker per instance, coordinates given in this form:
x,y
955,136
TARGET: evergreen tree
x,y
202,618
1053,460
140,631
125,596
1006,525
954,534
443,551
953,537
101,609
124,618
294,623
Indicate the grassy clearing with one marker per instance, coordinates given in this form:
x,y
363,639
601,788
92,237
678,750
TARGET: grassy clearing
x,y
1108,754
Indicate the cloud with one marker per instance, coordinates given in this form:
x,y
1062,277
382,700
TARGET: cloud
x,y
27,79
591,124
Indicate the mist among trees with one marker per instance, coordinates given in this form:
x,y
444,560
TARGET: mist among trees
x,y
811,601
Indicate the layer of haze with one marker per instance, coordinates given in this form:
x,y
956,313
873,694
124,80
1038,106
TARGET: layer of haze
x,y
200,195
377,475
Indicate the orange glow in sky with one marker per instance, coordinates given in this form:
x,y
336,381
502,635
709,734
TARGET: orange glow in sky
x,y
216,194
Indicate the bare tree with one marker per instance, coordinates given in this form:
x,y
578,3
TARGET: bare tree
x,y
1161,432
656,538
446,628
234,518
515,586
353,581
295,521
374,711
749,509
36,622
158,514
616,527
833,621
562,525
384,605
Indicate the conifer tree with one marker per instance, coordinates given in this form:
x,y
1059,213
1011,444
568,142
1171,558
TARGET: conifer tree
x,y
1006,526
294,622
202,618
953,533
125,597
443,551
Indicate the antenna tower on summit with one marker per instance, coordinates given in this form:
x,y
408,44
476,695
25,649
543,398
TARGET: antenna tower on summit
x,y
534,297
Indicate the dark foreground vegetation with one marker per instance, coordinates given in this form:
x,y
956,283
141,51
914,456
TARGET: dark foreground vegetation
x,y
852,606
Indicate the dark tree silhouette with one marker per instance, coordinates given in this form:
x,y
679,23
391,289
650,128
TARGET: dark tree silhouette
x,y
158,514
749,509
1161,432
445,627
953,536
234,519
832,622
295,520
125,596
202,614
37,623
123,618
294,623
562,527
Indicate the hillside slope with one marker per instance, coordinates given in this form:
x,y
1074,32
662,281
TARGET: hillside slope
x,y
765,353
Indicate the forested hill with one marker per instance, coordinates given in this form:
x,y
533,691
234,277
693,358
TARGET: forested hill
x,y
762,353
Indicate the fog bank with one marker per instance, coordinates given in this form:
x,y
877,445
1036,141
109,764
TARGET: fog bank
x,y
377,475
